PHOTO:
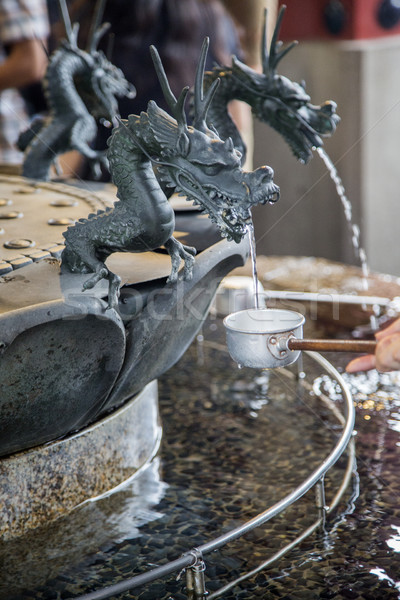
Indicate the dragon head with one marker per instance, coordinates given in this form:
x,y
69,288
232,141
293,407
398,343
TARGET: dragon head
x,y
99,82
107,83
282,103
198,164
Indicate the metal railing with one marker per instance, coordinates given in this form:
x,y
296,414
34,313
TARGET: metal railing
x,y
192,561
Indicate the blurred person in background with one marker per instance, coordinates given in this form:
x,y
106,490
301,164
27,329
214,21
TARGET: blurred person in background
x,y
24,29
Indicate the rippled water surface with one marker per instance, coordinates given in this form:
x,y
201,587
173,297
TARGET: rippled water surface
x,y
234,443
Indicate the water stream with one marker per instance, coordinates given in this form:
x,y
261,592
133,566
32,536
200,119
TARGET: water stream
x,y
348,213
253,255
355,233
354,228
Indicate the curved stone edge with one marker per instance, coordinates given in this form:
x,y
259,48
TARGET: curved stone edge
x,y
171,318
44,483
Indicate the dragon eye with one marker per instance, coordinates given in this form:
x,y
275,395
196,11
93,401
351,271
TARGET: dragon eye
x,y
286,115
213,169
296,101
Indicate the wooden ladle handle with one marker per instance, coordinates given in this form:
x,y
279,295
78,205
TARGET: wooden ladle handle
x,y
367,346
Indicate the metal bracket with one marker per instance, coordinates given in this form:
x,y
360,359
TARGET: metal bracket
x,y
320,502
195,580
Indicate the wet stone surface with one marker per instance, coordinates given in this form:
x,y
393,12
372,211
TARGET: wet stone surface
x,y
234,443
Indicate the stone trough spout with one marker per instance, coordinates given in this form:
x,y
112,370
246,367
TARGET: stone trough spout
x,y
159,335
68,360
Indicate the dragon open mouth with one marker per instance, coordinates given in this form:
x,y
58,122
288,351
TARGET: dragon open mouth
x,y
235,226
302,127
302,142
231,214
315,123
271,198
311,138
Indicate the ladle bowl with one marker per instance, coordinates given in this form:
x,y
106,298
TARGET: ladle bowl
x,y
267,338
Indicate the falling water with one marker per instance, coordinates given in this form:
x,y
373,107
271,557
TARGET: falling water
x,y
348,213
354,229
252,243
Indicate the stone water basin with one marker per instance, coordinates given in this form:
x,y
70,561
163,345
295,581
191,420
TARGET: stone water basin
x,y
234,442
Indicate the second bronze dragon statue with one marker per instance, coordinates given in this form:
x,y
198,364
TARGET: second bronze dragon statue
x,y
274,99
80,87
192,160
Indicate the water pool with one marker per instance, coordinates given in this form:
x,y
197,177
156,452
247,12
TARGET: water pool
x,y
234,443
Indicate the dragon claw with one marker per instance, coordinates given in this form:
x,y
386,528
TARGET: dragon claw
x,y
112,302
188,255
190,249
113,291
178,251
188,273
92,281
173,277
88,285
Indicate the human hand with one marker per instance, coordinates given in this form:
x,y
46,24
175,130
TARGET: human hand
x,y
387,353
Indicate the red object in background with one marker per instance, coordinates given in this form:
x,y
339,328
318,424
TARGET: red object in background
x,y
306,19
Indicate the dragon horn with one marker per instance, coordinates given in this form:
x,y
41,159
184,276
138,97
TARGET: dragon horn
x,y
264,44
201,102
66,19
177,106
270,61
97,36
95,30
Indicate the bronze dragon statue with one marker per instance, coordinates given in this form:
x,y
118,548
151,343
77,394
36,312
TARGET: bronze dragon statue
x,y
274,99
193,160
80,87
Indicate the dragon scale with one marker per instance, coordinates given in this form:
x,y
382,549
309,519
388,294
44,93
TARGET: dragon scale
x,y
59,84
131,225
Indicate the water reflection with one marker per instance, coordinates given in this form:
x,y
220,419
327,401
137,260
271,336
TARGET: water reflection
x,y
380,573
394,542
41,554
